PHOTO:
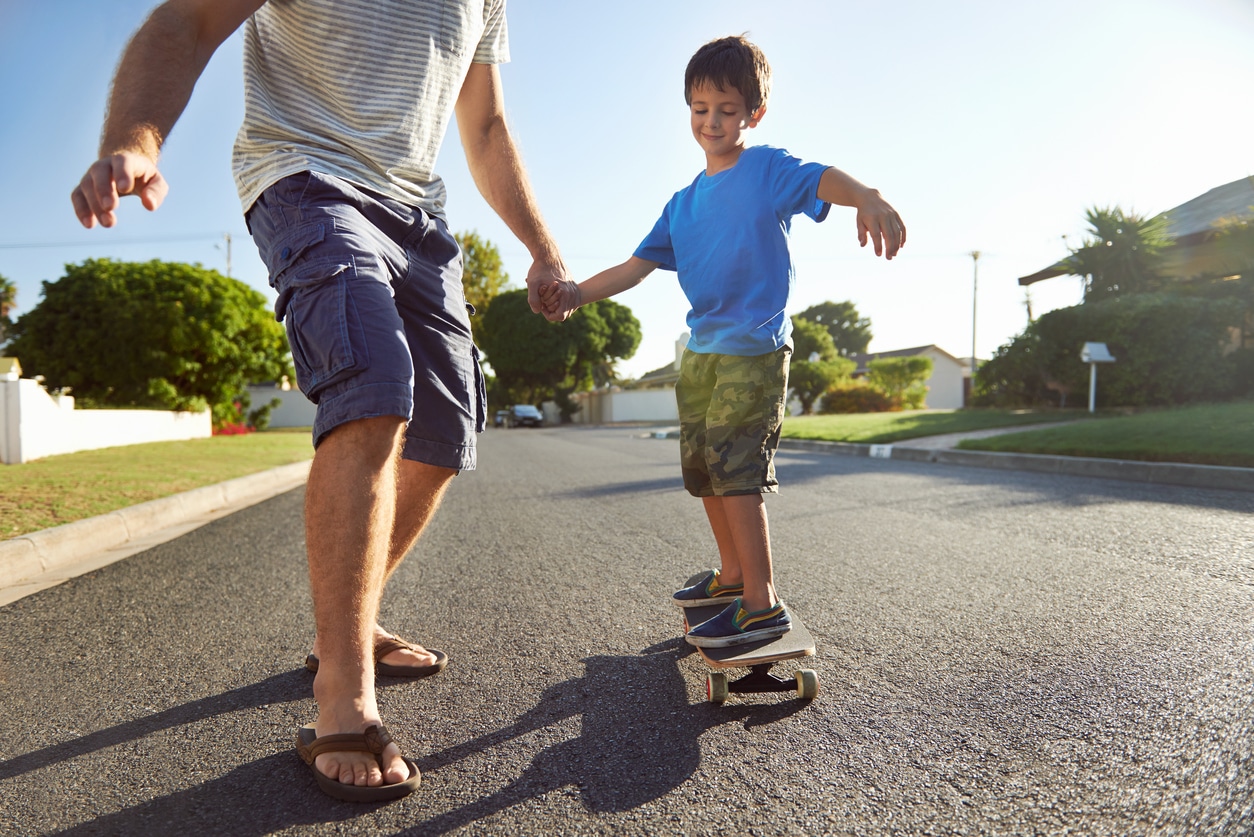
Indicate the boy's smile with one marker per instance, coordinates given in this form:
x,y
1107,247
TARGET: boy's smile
x,y
719,120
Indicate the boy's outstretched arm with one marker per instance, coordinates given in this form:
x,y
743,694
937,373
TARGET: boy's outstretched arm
x,y
559,301
877,220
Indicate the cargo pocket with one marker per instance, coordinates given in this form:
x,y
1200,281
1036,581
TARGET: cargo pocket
x,y
315,302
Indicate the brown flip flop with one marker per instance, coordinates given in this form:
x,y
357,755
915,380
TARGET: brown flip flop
x,y
387,646
309,746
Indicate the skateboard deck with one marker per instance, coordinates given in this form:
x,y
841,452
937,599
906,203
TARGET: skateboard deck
x,y
758,656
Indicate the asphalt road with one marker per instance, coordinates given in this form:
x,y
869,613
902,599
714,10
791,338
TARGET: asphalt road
x,y
1000,653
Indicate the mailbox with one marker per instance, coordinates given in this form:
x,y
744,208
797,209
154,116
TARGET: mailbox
x,y
1093,354
1096,353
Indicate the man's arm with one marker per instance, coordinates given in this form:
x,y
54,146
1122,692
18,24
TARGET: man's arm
x,y
876,218
151,87
498,171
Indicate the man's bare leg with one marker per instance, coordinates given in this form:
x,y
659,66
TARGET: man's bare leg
x,y
744,544
420,488
350,506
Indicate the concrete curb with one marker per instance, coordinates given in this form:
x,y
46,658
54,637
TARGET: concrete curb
x,y
51,555
1170,473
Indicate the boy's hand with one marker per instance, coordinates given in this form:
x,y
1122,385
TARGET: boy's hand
x,y
128,173
880,223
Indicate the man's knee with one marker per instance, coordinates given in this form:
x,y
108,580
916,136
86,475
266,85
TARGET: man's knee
x,y
377,437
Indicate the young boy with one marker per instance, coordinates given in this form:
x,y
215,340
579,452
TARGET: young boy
x,y
726,235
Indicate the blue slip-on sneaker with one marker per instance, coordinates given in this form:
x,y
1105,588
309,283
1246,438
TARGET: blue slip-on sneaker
x,y
707,591
735,626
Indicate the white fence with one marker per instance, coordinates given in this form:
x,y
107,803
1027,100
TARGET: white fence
x,y
34,424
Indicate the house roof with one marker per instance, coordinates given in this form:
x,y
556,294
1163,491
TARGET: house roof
x,y
662,376
1188,225
863,359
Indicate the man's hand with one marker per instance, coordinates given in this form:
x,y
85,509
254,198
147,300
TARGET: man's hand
x,y
550,293
880,223
128,173
558,300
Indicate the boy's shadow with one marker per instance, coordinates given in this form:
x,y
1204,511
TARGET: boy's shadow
x,y
640,738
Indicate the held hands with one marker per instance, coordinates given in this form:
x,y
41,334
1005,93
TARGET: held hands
x,y
558,300
127,173
880,223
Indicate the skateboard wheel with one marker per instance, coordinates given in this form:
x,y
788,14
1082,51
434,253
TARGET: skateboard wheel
x,y
807,684
716,687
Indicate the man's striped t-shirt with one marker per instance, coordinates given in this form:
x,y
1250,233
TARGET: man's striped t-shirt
x,y
359,89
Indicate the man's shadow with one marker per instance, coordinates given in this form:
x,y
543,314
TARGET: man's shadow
x,y
639,739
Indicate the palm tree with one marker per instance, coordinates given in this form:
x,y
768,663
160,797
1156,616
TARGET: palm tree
x,y
1121,254
8,301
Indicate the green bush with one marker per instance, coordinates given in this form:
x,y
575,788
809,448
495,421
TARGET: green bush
x,y
1169,349
809,380
902,378
857,397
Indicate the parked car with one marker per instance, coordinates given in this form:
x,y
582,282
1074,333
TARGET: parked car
x,y
500,418
525,415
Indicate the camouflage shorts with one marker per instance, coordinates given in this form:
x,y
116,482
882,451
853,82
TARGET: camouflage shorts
x,y
730,412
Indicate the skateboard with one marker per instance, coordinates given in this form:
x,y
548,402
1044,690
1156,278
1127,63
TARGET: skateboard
x,y
759,657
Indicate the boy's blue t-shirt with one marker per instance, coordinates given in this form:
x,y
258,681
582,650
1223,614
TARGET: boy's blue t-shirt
x,y
726,236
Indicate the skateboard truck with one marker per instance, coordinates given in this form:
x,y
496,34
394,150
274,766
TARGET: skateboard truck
x,y
759,680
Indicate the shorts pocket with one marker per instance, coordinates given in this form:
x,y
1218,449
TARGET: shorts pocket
x,y
324,327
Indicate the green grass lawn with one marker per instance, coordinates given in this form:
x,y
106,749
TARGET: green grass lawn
x,y
1207,434
62,489
883,428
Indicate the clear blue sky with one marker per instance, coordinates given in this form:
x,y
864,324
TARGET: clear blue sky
x,y
990,125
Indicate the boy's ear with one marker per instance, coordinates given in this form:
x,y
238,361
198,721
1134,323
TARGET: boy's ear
x,y
756,116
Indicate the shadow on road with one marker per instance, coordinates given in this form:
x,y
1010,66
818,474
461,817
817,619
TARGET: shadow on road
x,y
639,740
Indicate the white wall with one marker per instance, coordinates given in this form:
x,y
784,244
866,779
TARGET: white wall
x,y
944,388
601,407
34,424
295,411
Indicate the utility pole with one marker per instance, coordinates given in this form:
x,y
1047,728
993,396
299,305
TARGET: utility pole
x,y
227,236
975,287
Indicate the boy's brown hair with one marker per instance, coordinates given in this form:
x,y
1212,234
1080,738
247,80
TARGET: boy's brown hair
x,y
731,62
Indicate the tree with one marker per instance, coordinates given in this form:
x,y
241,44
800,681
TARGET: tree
x,y
1121,254
483,277
808,338
157,335
810,379
535,359
850,332
8,301
902,378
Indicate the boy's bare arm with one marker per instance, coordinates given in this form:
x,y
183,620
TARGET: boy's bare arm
x,y
559,303
876,219
498,171
152,86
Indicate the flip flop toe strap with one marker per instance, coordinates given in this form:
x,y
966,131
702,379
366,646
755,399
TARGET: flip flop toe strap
x,y
393,643
373,740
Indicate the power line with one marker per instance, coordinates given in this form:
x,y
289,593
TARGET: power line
x,y
110,242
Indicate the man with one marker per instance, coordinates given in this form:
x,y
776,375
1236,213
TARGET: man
x,y
347,102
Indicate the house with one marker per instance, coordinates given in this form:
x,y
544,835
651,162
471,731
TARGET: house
x,y
650,398
1194,227
945,387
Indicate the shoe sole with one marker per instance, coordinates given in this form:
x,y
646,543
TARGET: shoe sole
x,y
728,599
739,639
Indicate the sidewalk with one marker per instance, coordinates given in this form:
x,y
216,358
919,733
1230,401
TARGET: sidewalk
x,y
943,449
34,562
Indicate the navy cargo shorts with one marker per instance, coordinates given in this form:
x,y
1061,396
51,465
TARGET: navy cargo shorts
x,y
370,291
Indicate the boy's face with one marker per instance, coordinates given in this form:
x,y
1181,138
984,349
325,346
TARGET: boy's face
x,y
719,120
